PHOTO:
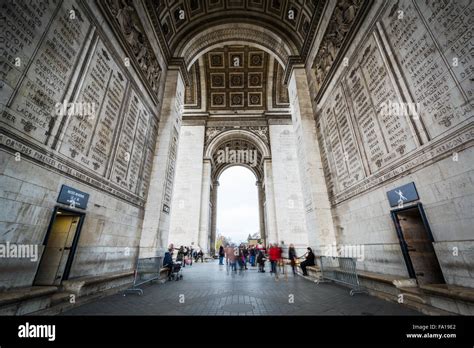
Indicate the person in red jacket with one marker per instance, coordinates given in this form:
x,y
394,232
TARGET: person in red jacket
x,y
274,254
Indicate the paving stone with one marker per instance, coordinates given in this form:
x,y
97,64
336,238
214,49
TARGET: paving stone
x,y
207,291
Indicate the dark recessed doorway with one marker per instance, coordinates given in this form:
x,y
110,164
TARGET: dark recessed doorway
x,y
416,242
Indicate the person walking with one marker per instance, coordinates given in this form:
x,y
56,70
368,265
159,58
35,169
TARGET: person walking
x,y
261,261
283,249
292,257
180,255
252,256
231,257
226,250
270,256
240,256
190,255
245,254
283,257
274,255
185,256
221,255
309,261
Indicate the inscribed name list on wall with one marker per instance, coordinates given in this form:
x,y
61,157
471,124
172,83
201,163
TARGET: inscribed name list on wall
x,y
30,107
368,122
76,99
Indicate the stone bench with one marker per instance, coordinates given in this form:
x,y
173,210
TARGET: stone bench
x,y
26,300
83,286
451,298
314,271
163,275
385,283
384,278
450,291
430,299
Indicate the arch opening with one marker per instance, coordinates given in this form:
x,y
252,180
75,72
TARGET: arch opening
x,y
237,206
237,150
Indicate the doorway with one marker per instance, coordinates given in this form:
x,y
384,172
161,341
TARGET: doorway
x,y
59,247
416,242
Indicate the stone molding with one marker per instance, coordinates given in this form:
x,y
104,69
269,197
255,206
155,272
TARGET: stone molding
x,y
215,131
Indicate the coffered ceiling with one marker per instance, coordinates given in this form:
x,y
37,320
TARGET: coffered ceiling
x,y
177,20
236,77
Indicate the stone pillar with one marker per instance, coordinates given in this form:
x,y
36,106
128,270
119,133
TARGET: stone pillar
x,y
288,191
271,222
156,221
317,206
215,187
261,213
186,204
204,221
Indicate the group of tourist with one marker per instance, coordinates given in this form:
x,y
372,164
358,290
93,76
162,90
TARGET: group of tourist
x,y
278,255
239,257
186,255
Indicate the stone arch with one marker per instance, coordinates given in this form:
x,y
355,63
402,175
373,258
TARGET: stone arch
x,y
248,155
240,34
237,134
242,139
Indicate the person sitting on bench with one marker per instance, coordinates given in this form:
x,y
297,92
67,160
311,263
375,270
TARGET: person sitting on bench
x,y
168,261
308,262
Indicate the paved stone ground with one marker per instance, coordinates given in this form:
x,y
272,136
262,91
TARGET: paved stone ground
x,y
209,289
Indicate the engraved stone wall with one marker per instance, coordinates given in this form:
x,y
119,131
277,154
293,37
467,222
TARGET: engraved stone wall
x,y
399,92
399,109
37,70
105,144
431,46
72,112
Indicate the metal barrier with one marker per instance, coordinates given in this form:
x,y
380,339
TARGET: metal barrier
x,y
341,270
146,270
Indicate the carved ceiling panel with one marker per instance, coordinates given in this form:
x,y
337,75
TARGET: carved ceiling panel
x,y
236,78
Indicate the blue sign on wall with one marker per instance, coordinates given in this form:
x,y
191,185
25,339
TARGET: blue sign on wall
x,y
403,194
72,197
